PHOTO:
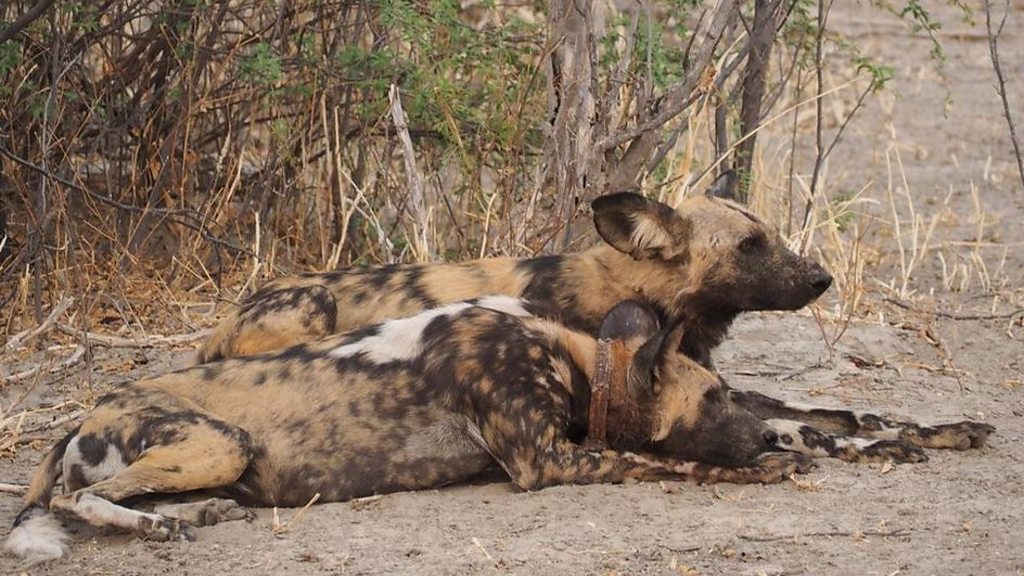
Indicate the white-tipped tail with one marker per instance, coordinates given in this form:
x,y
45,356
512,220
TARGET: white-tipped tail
x,y
38,538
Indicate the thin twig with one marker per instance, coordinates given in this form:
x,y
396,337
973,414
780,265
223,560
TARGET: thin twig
x,y
993,49
57,422
800,372
151,341
954,315
282,527
819,122
19,437
412,174
496,563
25,19
860,534
13,488
22,338
68,362
947,356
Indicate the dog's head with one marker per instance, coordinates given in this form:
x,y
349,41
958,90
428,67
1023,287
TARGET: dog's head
x,y
712,253
678,408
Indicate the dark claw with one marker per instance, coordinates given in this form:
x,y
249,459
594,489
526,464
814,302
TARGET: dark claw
x,y
804,464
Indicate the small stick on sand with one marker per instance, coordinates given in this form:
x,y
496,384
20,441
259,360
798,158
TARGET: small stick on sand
x,y
68,362
151,341
6,488
282,527
858,534
23,338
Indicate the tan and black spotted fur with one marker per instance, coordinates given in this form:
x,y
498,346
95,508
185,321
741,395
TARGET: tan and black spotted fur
x,y
419,402
701,265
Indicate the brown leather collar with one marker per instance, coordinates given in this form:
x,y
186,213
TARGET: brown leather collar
x,y
607,389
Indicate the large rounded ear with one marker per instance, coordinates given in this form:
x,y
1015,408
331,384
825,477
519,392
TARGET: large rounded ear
x,y
642,381
640,227
630,321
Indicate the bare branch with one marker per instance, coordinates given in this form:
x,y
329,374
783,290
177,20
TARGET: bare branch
x,y
680,95
27,18
24,337
151,341
993,49
77,356
824,7
762,36
412,174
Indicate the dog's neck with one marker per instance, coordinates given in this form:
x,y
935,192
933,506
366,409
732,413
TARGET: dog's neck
x,y
706,328
613,277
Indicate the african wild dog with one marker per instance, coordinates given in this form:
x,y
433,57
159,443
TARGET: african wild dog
x,y
701,265
418,402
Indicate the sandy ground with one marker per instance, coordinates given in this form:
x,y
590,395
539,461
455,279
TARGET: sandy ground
x,y
959,513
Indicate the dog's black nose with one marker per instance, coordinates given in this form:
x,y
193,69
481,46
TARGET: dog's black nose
x,y
770,437
820,281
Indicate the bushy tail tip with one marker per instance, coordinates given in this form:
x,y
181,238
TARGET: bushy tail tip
x,y
37,536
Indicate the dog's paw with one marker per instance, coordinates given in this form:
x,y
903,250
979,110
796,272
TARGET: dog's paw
x,y
957,436
163,529
223,510
773,467
896,451
206,512
787,462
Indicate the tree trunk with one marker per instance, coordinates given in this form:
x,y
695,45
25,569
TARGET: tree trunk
x,y
761,38
568,175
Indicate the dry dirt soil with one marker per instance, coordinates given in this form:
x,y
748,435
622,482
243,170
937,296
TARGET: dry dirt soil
x,y
959,513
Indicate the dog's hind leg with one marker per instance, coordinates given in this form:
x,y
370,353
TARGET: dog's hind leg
x,y
200,455
958,435
272,320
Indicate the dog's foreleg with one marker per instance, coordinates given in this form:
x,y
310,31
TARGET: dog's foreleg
x,y
799,437
769,468
958,436
568,463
